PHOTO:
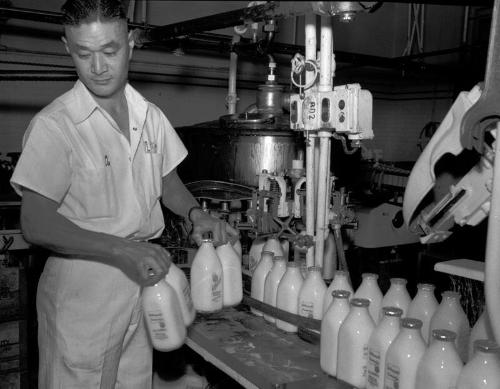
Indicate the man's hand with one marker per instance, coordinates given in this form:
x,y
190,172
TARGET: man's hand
x,y
221,231
144,263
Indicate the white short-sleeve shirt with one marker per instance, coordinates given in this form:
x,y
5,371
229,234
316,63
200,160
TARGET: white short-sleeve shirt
x,y
74,154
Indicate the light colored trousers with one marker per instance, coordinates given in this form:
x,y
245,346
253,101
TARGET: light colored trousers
x,y
91,333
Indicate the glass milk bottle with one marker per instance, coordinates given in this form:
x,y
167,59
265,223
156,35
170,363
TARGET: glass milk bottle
x,y
330,257
423,306
232,279
354,334
163,316
483,370
450,316
272,282
330,325
178,280
340,282
287,297
481,330
370,290
403,356
440,365
259,278
312,294
206,279
397,296
254,254
237,247
273,244
378,344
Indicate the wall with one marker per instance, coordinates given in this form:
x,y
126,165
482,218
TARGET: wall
x,y
178,90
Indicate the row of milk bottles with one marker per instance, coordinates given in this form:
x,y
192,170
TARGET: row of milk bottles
x,y
170,305
406,344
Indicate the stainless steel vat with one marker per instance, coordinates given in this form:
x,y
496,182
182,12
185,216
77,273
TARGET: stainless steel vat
x,y
238,147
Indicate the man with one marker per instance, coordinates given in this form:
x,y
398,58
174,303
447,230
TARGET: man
x,y
94,164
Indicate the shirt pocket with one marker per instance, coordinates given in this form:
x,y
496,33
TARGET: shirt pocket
x,y
95,192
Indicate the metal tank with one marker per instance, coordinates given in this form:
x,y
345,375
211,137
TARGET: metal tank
x,y
236,148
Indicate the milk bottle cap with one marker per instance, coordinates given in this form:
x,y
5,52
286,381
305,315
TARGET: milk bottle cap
x,y
357,302
314,268
429,287
392,311
207,240
486,346
292,264
370,275
341,294
398,281
444,335
341,273
271,253
409,322
451,294
278,258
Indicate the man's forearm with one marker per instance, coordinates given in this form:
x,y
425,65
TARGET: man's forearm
x,y
43,226
176,196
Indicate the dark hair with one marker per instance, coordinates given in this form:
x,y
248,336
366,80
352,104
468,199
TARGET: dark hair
x,y
77,11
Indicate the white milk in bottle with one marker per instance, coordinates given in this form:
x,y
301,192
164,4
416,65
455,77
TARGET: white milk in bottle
x,y
287,297
206,279
397,296
378,344
272,282
403,356
330,257
178,280
440,365
370,290
450,316
481,330
237,247
259,278
232,281
340,282
163,316
423,306
330,325
354,334
483,370
254,253
312,294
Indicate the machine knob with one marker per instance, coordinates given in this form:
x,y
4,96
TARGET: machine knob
x,y
398,220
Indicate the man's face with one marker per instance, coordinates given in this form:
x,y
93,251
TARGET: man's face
x,y
101,51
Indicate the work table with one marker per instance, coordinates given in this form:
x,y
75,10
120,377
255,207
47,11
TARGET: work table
x,y
255,353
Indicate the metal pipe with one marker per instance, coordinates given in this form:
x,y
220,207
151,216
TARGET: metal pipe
x,y
208,23
310,51
232,97
326,51
465,29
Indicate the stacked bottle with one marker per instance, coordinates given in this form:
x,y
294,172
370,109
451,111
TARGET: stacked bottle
x,y
232,281
370,290
403,356
382,337
450,316
312,294
354,334
340,282
397,296
271,284
423,307
206,279
287,297
440,365
330,326
483,370
259,278
163,316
